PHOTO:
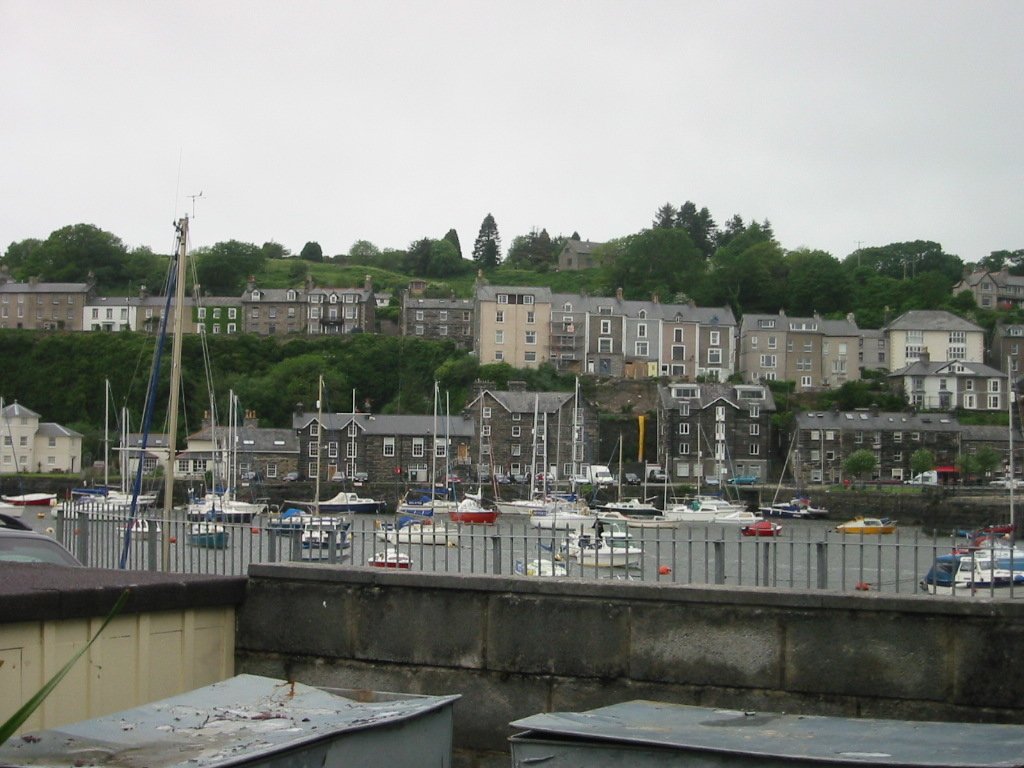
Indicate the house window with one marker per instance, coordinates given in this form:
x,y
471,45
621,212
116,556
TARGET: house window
x,y
993,402
418,447
499,316
772,342
715,338
604,345
517,431
714,357
641,330
485,430
768,361
389,446
755,449
531,337
805,381
684,428
530,357
499,337
487,412
755,429
684,449
641,348
606,327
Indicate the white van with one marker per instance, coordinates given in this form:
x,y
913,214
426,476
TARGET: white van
x,y
931,477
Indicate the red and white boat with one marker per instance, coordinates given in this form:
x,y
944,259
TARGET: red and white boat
x,y
761,528
31,499
390,558
471,511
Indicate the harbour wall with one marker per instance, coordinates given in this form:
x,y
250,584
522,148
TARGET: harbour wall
x,y
515,646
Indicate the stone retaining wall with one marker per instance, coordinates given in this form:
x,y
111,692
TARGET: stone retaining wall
x,y
517,646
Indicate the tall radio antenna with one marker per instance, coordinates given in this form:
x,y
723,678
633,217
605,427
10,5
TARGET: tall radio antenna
x,y
193,198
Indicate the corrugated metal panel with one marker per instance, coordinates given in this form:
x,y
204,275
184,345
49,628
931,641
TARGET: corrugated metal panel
x,y
253,721
651,733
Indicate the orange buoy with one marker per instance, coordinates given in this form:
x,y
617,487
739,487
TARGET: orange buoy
x,y
664,570
862,586
172,539
255,531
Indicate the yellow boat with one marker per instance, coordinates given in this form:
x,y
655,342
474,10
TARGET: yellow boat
x,y
868,525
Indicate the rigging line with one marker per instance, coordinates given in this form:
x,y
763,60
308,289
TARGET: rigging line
x,y
148,416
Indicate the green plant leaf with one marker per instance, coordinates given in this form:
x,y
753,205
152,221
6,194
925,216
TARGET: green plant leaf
x,y
25,712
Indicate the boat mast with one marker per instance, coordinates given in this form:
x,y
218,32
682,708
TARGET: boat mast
x,y
106,433
576,439
533,458
172,403
352,463
319,442
1009,412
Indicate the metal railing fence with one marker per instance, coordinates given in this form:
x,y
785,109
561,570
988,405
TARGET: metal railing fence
x,y
807,555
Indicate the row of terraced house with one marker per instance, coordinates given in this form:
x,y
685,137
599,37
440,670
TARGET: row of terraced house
x,y
938,360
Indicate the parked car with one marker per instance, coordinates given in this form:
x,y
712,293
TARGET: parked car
x,y
1005,482
292,477
20,544
657,476
743,480
631,478
501,478
251,476
520,477
357,477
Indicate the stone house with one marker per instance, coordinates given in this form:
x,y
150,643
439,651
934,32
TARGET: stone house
x,y
438,319
514,426
951,385
825,439
43,306
715,431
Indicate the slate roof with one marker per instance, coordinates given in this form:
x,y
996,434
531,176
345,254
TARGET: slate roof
x,y
930,320
885,420
51,429
711,392
391,424
17,411
523,402
945,368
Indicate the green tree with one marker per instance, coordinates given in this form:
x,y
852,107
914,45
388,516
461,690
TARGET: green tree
x,y
272,250
859,463
699,226
312,251
487,247
71,254
922,460
22,258
664,217
534,251
748,272
223,268
453,237
657,260
816,282
988,459
143,268
363,252
904,261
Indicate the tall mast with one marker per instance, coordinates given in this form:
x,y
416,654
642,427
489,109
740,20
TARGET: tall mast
x,y
106,433
319,442
172,402
1009,412
351,470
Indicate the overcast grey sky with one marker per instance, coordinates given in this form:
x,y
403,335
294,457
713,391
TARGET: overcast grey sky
x,y
840,122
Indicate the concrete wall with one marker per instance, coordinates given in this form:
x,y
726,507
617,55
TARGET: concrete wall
x,y
517,646
174,634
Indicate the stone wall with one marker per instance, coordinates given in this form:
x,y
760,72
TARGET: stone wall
x,y
512,647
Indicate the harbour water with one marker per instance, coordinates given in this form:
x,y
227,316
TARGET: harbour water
x,y
806,555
